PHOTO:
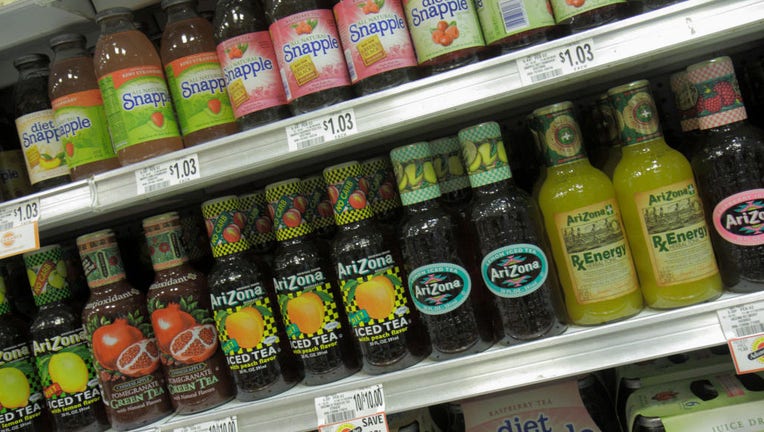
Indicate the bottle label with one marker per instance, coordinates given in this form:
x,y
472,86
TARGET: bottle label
x,y
225,224
247,327
439,288
67,373
439,27
516,270
739,218
380,181
675,228
319,211
20,391
13,174
43,151
166,248
198,89
309,53
686,101
565,9
310,314
138,106
561,137
485,156
287,211
345,187
637,115
597,253
81,126
259,225
502,18
450,171
251,73
719,98
101,261
375,37
46,271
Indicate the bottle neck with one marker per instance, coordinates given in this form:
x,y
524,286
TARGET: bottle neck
x,y
725,128
421,207
569,167
69,50
645,147
491,189
33,70
116,25
180,12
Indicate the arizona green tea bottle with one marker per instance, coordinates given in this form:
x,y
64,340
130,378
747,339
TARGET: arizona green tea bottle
x,y
385,323
64,362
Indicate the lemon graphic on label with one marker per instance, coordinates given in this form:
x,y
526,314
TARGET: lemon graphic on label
x,y
61,268
32,276
471,156
56,280
14,388
429,173
69,371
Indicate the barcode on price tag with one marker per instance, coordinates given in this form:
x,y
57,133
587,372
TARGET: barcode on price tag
x,y
19,227
166,174
743,327
319,130
346,406
557,62
228,424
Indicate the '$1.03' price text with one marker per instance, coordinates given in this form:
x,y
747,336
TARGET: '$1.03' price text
x,y
339,124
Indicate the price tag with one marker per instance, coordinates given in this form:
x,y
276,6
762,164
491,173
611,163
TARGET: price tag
x,y
320,130
557,62
349,406
19,228
19,214
743,326
166,174
370,423
228,424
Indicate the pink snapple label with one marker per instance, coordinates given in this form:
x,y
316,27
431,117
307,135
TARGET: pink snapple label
x,y
251,73
309,53
375,37
739,218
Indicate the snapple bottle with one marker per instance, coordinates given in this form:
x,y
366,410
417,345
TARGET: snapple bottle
x,y
138,107
580,15
313,68
78,108
250,68
194,75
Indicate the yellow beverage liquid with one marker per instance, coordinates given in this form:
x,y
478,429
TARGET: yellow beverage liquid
x,y
661,208
582,220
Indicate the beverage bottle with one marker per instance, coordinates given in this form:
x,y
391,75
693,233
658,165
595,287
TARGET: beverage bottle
x,y
583,222
452,177
194,75
661,207
530,123
21,394
35,124
729,167
250,68
515,262
64,362
313,68
686,103
246,312
308,297
14,181
138,107
509,26
121,338
580,15
376,42
380,309
446,33
318,210
179,304
382,193
258,228
78,108
611,140
444,287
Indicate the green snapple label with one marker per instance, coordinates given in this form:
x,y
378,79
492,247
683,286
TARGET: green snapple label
x,y
502,18
565,9
81,127
439,288
515,271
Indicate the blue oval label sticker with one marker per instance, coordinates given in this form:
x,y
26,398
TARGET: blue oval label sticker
x,y
515,271
439,288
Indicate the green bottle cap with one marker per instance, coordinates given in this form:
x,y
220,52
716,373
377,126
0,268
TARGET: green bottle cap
x,y
5,305
383,195
484,154
636,112
225,225
719,99
344,184
101,260
319,213
164,236
47,275
289,205
686,100
415,173
609,120
447,160
559,133
259,226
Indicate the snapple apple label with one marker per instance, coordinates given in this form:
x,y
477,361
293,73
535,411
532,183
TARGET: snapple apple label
x,y
515,271
739,218
439,288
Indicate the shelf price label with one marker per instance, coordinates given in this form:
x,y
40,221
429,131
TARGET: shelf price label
x,y
19,231
228,424
361,410
166,174
320,130
557,62
743,327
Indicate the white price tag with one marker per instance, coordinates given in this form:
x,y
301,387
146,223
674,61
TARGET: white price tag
x,y
19,227
350,405
166,174
743,326
557,62
22,213
370,423
228,424
320,130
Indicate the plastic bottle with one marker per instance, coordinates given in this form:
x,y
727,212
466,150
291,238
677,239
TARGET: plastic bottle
x,y
14,181
318,211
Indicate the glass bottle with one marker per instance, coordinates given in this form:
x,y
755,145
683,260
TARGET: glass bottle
x,y
250,67
318,210
516,263
580,15
179,304
310,302
686,103
194,76
64,362
380,309
35,124
729,167
78,108
246,312
14,181
452,177
583,222
509,26
446,290
611,135
121,338
381,191
128,68
258,228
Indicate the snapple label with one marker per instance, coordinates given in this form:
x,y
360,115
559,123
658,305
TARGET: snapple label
x,y
439,27
81,126
43,151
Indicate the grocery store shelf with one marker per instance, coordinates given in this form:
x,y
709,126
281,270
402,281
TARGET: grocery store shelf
x,y
580,350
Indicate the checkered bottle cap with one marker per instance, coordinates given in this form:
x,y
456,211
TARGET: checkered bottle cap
x,y
259,225
685,100
415,173
448,163
49,284
227,222
345,185
383,195
5,306
314,188
719,98
288,203
483,154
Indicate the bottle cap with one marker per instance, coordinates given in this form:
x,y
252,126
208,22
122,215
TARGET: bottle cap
x,y
447,161
383,195
484,154
169,3
287,205
319,212
686,101
259,227
559,133
101,260
164,234
225,225
30,58
636,112
47,274
719,99
67,38
345,186
415,173
113,13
